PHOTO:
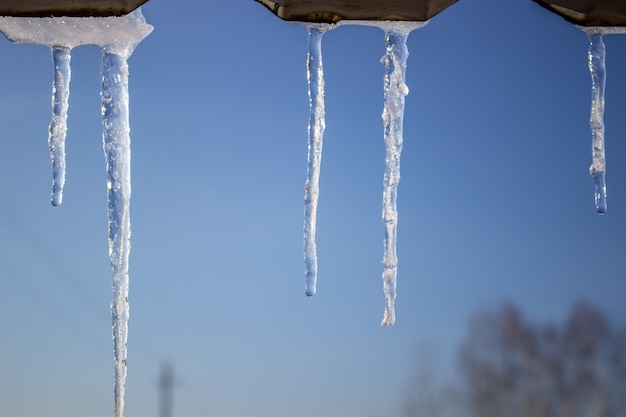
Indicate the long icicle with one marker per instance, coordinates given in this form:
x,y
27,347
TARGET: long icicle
x,y
597,68
116,144
393,114
317,124
57,131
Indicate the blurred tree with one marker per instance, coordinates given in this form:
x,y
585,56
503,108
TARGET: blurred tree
x,y
426,397
514,368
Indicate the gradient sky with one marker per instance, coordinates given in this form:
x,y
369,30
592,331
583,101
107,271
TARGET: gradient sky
x,y
495,204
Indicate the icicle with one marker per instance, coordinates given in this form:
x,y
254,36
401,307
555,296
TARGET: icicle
x,y
58,126
396,34
597,68
393,114
116,143
395,89
317,124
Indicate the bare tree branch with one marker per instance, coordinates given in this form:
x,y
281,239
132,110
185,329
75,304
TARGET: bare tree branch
x,y
513,368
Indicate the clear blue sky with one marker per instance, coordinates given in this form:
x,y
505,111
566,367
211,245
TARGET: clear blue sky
x,y
495,203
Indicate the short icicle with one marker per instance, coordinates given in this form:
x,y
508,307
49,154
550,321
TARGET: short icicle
x,y
61,56
317,124
116,143
597,68
395,90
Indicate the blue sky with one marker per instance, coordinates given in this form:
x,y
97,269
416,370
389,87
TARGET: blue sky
x,y
495,204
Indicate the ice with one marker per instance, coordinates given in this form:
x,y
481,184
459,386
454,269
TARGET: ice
x,y
395,89
62,34
317,124
117,32
58,126
597,69
117,37
395,59
116,138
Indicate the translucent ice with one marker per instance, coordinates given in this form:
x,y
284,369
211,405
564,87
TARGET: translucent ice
x,y
393,114
395,89
116,141
62,34
58,126
117,37
597,69
317,124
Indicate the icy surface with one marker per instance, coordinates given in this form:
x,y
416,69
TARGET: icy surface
x,y
389,26
117,37
317,124
58,126
603,30
116,32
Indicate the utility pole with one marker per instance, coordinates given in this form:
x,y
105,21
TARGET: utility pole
x,y
166,390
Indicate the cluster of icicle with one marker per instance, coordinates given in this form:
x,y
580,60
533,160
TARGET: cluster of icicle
x,y
117,37
597,69
395,90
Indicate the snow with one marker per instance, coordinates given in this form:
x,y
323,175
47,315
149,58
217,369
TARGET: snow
x,y
603,30
120,32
